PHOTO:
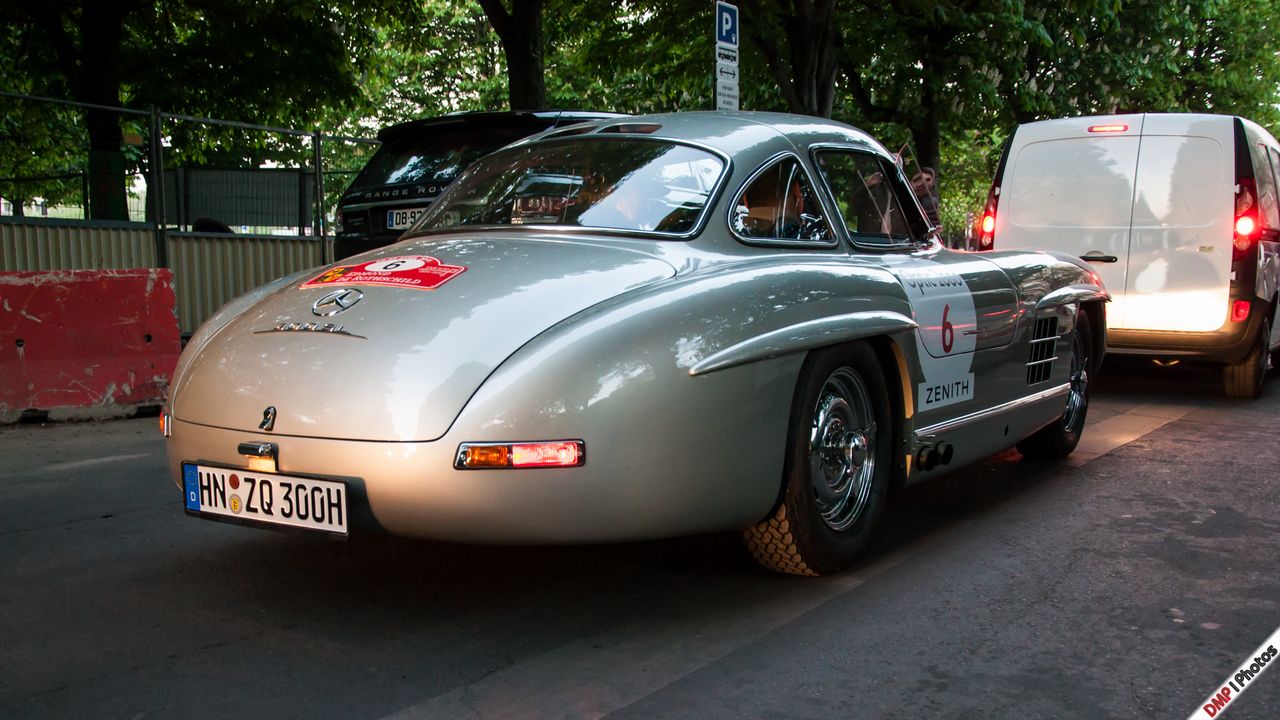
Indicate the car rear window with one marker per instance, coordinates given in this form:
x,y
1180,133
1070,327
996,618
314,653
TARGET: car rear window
x,y
649,186
1077,182
433,156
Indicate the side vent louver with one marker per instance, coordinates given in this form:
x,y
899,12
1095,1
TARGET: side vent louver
x,y
1044,350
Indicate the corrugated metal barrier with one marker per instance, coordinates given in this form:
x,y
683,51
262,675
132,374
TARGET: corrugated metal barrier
x,y
40,244
208,270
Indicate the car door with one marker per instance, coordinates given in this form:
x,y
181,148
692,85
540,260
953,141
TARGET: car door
x,y
963,304
1069,186
1179,272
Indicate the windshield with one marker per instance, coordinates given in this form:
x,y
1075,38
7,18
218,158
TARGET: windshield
x,y
615,183
434,156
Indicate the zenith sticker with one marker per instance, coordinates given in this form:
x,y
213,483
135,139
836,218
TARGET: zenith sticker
x,y
417,272
939,394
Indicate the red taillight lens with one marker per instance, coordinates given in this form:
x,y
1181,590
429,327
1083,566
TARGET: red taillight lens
x,y
1239,311
553,454
987,226
1114,128
1246,224
501,456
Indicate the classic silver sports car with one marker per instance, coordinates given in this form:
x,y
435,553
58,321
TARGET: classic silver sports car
x,y
632,329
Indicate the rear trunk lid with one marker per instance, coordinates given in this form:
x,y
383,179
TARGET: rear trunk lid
x,y
434,319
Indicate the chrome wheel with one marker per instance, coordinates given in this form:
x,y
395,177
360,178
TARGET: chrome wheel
x,y
842,449
1078,394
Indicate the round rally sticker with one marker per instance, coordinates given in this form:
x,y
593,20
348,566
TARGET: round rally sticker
x,y
396,264
417,272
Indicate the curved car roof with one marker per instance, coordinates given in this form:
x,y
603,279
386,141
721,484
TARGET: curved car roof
x,y
734,133
535,120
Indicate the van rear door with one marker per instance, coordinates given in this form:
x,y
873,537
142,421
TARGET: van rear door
x,y
1180,247
1070,187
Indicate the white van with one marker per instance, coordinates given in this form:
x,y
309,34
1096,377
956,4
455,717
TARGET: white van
x,y
1177,213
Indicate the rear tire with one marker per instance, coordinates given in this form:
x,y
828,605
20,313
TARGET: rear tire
x,y
839,455
1244,379
1057,440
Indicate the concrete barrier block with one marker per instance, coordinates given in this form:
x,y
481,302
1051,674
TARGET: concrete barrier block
x,y
86,343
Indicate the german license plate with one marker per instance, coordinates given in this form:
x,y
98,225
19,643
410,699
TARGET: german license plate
x,y
266,497
402,219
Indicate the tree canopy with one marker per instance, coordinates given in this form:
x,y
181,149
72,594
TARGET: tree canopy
x,y
949,78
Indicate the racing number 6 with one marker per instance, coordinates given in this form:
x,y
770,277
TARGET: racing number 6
x,y
948,330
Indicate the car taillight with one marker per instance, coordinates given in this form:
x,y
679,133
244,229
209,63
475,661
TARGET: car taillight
x,y
1246,220
502,456
1114,128
987,225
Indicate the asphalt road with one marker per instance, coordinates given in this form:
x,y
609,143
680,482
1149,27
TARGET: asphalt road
x,y
1128,582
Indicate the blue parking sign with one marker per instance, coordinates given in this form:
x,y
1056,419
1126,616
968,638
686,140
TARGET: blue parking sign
x,y
726,24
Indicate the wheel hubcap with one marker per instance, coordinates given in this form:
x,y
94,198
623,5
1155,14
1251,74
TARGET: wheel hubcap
x,y
1078,394
842,449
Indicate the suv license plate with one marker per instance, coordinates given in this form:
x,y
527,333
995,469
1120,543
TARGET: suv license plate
x,y
402,219
268,498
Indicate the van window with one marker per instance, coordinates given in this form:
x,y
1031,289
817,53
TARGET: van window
x,y
1177,177
1269,210
1076,182
1275,165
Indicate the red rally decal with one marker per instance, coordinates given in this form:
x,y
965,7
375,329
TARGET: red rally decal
x,y
418,272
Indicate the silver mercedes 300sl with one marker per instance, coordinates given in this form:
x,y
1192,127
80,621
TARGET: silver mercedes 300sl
x,y
639,328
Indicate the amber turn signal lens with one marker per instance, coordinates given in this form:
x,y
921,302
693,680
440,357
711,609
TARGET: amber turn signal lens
x,y
484,456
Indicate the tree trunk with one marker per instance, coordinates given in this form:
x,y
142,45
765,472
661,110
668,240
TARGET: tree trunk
x,y
926,129
520,32
101,30
807,76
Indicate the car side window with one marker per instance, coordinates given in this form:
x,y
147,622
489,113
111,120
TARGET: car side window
x,y
868,194
779,203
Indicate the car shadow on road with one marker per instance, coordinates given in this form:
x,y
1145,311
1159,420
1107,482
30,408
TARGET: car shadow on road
x,y
287,574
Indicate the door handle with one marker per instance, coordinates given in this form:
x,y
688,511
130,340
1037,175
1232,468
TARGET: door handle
x,y
1100,258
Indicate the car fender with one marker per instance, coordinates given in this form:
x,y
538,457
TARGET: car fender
x,y
621,377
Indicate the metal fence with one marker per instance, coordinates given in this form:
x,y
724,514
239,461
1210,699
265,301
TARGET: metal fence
x,y
227,205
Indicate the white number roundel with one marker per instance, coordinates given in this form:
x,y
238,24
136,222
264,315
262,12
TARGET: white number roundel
x,y
396,264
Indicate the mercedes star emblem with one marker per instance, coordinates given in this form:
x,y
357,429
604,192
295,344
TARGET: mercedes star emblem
x,y
336,301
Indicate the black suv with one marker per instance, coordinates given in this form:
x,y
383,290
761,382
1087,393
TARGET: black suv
x,y
418,159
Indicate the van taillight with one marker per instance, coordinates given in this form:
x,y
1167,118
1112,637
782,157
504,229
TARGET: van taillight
x,y
1115,128
987,225
1246,222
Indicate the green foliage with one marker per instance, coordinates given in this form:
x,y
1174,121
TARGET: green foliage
x,y
947,78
